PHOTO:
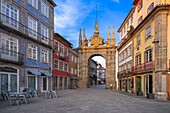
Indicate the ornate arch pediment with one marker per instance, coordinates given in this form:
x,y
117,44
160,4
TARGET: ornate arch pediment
x,y
96,40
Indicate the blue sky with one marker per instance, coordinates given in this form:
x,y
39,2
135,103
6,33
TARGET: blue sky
x,y
71,15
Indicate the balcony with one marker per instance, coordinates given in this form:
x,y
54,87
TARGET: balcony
x,y
11,56
13,25
149,66
125,73
62,55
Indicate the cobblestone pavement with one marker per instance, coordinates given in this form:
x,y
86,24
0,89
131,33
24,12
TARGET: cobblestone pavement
x,y
89,101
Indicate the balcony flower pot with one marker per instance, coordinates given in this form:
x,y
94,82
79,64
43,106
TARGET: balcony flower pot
x,y
150,96
139,93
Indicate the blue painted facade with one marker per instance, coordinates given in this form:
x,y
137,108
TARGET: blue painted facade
x,y
25,10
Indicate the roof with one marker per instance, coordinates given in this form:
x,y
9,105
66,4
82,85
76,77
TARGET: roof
x,y
150,15
131,11
135,2
58,35
52,2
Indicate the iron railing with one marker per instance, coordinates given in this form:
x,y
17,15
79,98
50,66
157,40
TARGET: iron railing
x,y
12,23
149,66
11,56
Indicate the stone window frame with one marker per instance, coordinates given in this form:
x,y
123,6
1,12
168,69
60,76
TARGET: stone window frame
x,y
44,55
33,3
31,29
32,47
45,9
56,65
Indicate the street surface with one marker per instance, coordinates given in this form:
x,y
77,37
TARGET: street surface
x,y
92,100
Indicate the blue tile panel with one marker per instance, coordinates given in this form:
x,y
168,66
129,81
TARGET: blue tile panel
x,y
23,43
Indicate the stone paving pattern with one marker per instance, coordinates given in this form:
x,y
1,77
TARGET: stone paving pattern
x,y
89,101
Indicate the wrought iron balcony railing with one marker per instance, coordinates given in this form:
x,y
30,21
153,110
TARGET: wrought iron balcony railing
x,y
11,56
126,72
12,23
149,66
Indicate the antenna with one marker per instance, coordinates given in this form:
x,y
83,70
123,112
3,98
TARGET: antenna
x,y
96,13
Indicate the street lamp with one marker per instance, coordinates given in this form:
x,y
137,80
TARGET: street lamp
x,y
156,41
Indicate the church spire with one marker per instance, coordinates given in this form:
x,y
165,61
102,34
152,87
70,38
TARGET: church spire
x,y
113,36
80,39
84,35
108,35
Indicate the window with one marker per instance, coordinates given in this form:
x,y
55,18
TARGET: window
x,y
61,65
127,25
56,64
10,14
129,51
44,55
45,33
140,5
32,82
129,65
71,70
9,44
72,58
33,3
56,45
75,71
32,24
45,9
140,19
65,67
65,51
138,59
148,55
131,20
138,40
150,8
32,51
148,31
75,59
61,48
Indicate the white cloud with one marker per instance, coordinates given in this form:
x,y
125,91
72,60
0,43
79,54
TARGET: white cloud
x,y
69,16
116,1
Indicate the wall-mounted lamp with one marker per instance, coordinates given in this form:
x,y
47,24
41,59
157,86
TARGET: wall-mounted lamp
x,y
155,41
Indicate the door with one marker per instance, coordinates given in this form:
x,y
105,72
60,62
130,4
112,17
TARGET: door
x,y
4,82
44,84
14,83
31,82
148,84
126,87
55,82
61,82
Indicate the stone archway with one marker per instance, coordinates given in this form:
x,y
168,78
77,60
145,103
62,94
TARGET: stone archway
x,y
97,47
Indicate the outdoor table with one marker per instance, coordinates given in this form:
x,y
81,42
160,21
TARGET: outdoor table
x,y
18,98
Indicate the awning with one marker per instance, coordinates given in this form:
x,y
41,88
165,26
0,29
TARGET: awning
x,y
47,74
34,73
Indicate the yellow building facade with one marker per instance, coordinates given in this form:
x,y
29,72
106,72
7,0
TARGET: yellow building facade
x,y
150,50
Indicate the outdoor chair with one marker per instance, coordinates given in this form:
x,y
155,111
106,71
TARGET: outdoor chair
x,y
48,95
13,99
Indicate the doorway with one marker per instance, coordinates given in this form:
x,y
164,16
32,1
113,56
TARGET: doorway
x,y
148,84
44,83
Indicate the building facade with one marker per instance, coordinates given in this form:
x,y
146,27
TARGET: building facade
x,y
92,71
101,74
26,32
73,70
60,62
150,44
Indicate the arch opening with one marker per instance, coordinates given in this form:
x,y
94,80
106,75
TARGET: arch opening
x,y
97,71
